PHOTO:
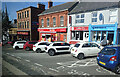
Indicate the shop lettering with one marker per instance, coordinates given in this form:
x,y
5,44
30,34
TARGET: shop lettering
x,y
103,27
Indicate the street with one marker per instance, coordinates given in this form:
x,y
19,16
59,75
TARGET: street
x,y
31,63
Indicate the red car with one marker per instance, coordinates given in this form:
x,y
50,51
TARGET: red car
x,y
29,45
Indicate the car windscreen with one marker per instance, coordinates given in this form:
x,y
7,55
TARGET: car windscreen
x,y
108,51
77,45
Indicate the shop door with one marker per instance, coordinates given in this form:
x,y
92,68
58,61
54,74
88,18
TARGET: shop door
x,y
61,37
110,38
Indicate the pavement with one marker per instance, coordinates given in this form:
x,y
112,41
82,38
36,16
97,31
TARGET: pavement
x,y
33,63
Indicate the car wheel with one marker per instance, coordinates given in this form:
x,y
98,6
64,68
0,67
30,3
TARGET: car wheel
x,y
27,48
117,69
16,47
38,51
80,56
51,52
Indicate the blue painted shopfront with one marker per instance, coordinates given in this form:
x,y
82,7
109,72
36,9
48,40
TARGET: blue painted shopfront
x,y
109,31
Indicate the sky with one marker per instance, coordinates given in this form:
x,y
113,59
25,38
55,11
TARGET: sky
x,y
12,7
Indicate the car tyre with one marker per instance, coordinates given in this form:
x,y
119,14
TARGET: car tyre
x,y
16,47
51,52
117,69
80,56
38,51
27,48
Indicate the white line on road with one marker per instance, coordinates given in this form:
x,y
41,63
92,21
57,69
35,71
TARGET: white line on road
x,y
38,64
7,53
19,57
27,60
53,69
12,55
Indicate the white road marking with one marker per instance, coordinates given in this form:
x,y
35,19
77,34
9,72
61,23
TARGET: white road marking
x,y
19,57
38,64
7,53
27,60
53,69
88,62
12,55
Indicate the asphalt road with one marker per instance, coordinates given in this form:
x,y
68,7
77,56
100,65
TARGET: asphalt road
x,y
42,64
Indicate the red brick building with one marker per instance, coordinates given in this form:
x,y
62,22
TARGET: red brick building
x,y
53,22
27,22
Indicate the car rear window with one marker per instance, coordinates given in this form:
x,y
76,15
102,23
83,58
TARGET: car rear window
x,y
77,45
108,51
32,42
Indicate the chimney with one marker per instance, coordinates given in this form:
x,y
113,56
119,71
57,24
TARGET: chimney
x,y
50,4
41,6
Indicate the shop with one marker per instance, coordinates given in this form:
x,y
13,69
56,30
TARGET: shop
x,y
79,34
52,34
110,32
23,35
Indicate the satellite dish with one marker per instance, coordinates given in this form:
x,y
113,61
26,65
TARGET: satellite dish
x,y
101,16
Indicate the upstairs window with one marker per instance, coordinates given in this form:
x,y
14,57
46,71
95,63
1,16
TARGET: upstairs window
x,y
54,22
47,22
42,22
94,17
27,24
18,15
27,13
22,14
80,18
113,15
61,21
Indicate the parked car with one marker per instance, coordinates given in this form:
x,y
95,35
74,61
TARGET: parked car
x,y
40,46
109,57
29,45
19,44
84,49
56,47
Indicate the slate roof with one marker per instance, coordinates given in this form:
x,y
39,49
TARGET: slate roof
x,y
92,6
66,6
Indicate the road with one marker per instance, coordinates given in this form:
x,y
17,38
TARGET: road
x,y
31,63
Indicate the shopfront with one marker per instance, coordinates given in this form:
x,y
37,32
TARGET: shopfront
x,y
110,32
23,35
79,34
53,34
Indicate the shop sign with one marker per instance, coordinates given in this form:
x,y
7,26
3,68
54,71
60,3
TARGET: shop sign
x,y
22,33
79,28
52,30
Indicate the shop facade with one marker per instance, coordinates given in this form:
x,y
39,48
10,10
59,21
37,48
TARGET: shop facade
x,y
51,35
23,35
110,32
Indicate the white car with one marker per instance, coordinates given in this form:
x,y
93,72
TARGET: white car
x,y
19,44
81,50
40,46
56,47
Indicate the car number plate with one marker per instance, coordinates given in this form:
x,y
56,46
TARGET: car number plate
x,y
102,63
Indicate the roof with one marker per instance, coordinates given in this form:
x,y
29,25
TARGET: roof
x,y
93,6
63,7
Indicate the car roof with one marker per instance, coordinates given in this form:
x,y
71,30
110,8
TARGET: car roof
x,y
116,46
20,41
58,42
86,42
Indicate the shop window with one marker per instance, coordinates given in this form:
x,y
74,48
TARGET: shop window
x,y
64,37
80,18
42,22
47,22
77,36
94,17
61,21
93,35
54,21
98,36
73,35
113,15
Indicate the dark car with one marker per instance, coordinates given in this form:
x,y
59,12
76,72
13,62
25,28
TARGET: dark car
x,y
109,57
29,45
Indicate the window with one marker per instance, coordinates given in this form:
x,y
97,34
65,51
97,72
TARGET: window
x,y
22,14
79,18
27,13
113,15
42,22
27,24
108,51
22,24
18,15
47,22
57,44
94,45
44,43
94,17
32,42
64,37
21,42
86,45
61,21
77,45
54,21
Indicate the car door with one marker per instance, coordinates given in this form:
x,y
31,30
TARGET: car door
x,y
86,49
66,47
58,47
94,49
20,44
42,45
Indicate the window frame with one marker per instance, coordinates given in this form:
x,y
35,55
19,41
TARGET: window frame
x,y
54,21
61,20
42,22
94,17
48,22
114,15
79,19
